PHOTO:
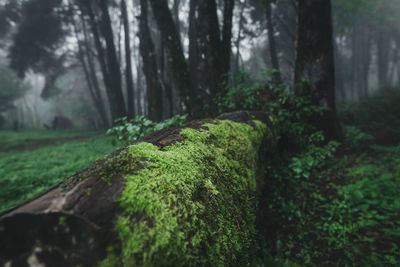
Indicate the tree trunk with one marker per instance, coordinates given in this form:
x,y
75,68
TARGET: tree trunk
x,y
314,59
113,65
101,58
276,76
128,71
85,219
91,79
180,68
150,68
209,52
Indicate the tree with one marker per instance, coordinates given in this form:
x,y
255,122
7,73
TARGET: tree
x,y
107,56
150,68
314,62
180,68
210,48
128,69
272,45
11,88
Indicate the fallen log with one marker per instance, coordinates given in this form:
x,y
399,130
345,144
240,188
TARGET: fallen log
x,y
183,196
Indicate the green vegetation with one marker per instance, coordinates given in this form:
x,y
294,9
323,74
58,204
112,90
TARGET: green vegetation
x,y
193,203
131,130
33,161
334,204
328,203
378,112
11,88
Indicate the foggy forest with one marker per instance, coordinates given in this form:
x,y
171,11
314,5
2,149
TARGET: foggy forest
x,y
199,133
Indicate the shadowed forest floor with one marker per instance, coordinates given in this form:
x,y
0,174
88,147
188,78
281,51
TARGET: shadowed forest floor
x,y
346,213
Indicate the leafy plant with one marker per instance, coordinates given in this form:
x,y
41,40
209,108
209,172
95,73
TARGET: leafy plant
x,y
379,111
133,129
356,139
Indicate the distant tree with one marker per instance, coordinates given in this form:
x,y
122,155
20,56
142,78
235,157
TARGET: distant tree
x,y
128,61
179,65
101,28
272,43
39,33
314,63
150,67
11,88
210,48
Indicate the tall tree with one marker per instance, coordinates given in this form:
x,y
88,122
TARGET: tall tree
x,y
113,64
150,68
180,68
272,44
315,60
128,62
107,57
210,47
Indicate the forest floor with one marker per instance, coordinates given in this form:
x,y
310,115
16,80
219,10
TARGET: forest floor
x,y
346,214
24,156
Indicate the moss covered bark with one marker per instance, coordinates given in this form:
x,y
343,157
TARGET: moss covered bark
x,y
194,202
181,197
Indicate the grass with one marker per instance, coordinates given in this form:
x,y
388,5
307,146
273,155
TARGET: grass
x,y
33,161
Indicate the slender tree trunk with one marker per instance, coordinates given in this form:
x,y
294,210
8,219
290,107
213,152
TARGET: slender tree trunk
x,y
92,70
226,45
210,53
113,65
102,59
128,70
91,79
194,53
150,68
314,60
276,77
180,68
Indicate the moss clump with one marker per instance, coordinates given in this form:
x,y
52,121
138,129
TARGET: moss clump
x,y
194,202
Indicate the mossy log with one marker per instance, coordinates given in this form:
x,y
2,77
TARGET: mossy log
x,y
181,197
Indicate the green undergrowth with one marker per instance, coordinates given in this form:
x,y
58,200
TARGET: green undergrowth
x,y
191,203
343,211
30,139
379,111
24,174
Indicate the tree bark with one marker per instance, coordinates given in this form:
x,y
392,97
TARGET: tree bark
x,y
315,60
180,68
210,51
101,58
276,76
113,65
128,61
73,223
90,76
150,68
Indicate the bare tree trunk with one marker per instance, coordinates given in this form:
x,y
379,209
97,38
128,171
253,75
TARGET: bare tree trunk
x,y
180,68
150,68
314,60
90,76
276,76
210,53
102,59
128,70
113,65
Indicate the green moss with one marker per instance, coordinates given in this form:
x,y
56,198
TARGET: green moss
x,y
194,203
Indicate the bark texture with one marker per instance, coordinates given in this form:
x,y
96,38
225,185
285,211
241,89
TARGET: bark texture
x,y
74,222
314,60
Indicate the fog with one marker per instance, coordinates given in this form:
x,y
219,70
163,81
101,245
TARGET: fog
x,y
366,36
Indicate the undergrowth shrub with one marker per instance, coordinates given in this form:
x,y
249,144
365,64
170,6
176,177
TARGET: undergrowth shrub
x,y
130,130
380,110
357,139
